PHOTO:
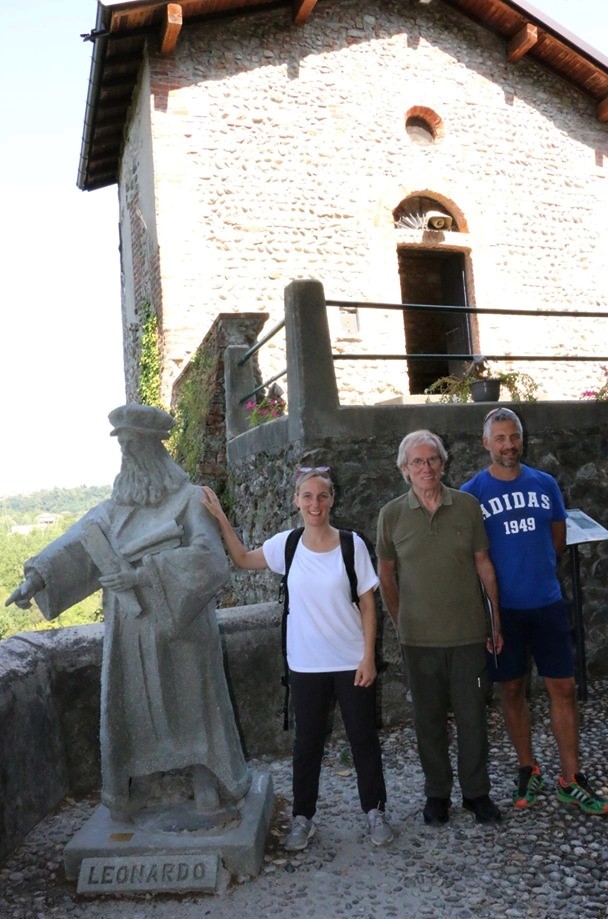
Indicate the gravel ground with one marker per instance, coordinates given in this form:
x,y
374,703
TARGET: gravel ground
x,y
548,862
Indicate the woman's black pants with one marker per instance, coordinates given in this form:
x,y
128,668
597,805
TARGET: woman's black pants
x,y
312,695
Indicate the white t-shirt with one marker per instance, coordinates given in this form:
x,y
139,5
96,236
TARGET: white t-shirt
x,y
324,628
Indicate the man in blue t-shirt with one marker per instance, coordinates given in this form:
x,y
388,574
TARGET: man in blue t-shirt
x,y
525,520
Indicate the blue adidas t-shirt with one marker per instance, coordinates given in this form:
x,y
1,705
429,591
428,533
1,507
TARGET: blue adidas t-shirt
x,y
518,515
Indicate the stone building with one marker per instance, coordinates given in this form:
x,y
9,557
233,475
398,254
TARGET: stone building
x,y
257,142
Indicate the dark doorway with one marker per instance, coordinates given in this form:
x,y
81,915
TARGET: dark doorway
x,y
436,278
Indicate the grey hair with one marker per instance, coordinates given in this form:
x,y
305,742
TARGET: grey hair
x,y
500,414
414,439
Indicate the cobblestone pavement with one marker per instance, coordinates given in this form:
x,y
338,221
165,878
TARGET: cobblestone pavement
x,y
548,862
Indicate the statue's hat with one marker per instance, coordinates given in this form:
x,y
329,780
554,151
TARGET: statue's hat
x,y
145,419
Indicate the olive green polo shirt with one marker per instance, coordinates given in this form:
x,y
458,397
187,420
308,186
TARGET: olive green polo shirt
x,y
440,601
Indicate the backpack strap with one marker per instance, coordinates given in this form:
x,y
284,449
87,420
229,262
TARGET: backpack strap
x,y
347,545
290,550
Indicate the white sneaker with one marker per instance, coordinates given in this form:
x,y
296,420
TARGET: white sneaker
x,y
380,831
302,831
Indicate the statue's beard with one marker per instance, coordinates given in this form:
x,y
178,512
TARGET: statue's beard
x,y
146,477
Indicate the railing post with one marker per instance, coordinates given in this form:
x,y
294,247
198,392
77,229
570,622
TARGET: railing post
x,y
238,381
311,378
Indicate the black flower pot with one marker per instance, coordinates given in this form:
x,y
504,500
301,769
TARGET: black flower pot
x,y
485,390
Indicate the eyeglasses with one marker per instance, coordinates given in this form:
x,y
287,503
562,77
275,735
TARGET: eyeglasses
x,y
431,461
302,470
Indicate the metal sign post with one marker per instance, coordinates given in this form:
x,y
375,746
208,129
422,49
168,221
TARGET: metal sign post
x,y
580,528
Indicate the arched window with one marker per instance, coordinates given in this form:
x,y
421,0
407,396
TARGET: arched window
x,y
434,275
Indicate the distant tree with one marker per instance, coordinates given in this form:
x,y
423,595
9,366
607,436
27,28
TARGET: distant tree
x,y
15,549
25,508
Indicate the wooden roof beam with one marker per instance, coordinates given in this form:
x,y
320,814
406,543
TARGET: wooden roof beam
x,y
602,110
522,42
171,27
302,10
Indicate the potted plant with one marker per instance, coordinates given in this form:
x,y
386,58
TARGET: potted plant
x,y
485,386
269,407
482,384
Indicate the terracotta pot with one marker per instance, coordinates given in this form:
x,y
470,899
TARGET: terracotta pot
x,y
485,390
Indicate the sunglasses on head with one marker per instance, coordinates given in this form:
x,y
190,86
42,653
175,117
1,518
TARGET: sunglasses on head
x,y
302,470
506,411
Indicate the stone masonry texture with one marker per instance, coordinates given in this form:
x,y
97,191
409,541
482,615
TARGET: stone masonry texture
x,y
261,152
366,477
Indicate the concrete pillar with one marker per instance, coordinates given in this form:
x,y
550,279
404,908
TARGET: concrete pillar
x,y
311,378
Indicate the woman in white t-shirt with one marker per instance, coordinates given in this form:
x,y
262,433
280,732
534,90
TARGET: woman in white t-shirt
x,y
330,649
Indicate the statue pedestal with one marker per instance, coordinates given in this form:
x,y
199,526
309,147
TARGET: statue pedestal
x,y
172,849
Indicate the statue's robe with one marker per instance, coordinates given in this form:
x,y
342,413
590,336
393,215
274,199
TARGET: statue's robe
x,y
164,698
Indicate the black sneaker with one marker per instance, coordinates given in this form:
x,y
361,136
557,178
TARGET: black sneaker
x,y
484,809
436,811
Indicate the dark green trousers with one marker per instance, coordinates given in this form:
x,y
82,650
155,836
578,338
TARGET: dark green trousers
x,y
440,680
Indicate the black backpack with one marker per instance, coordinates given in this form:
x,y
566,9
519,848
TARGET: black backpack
x,y
347,545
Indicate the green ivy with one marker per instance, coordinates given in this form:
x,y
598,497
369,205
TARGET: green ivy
x,y
148,389
187,438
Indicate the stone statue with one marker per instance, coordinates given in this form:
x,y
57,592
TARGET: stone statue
x,y
156,552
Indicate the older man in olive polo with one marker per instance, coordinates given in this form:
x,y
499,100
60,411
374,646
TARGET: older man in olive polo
x,y
432,553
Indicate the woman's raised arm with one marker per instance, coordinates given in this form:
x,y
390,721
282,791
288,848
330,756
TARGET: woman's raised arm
x,y
250,559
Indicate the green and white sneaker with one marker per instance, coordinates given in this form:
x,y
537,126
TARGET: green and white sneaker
x,y
527,787
579,793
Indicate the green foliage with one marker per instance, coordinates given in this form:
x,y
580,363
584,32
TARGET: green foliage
x,y
450,389
521,386
14,620
267,409
15,550
453,388
25,508
149,359
194,402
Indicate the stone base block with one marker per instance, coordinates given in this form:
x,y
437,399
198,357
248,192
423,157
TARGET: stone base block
x,y
159,855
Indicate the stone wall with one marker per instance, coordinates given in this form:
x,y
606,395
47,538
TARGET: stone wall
x,y
281,152
569,442
198,398
139,253
49,708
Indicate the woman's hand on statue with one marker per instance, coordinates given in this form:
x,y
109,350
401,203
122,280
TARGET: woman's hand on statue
x,y
211,502
366,673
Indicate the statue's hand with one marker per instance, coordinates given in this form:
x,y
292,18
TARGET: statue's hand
x,y
125,579
23,595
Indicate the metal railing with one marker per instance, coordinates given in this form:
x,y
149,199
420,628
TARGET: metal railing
x,y
429,308
432,308
254,350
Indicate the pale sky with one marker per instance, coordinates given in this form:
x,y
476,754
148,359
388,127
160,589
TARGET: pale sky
x,y
61,369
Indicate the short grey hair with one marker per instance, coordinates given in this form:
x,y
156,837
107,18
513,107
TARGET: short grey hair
x,y
500,414
414,439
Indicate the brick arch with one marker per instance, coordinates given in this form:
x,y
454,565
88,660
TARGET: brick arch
x,y
446,203
429,117
396,193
